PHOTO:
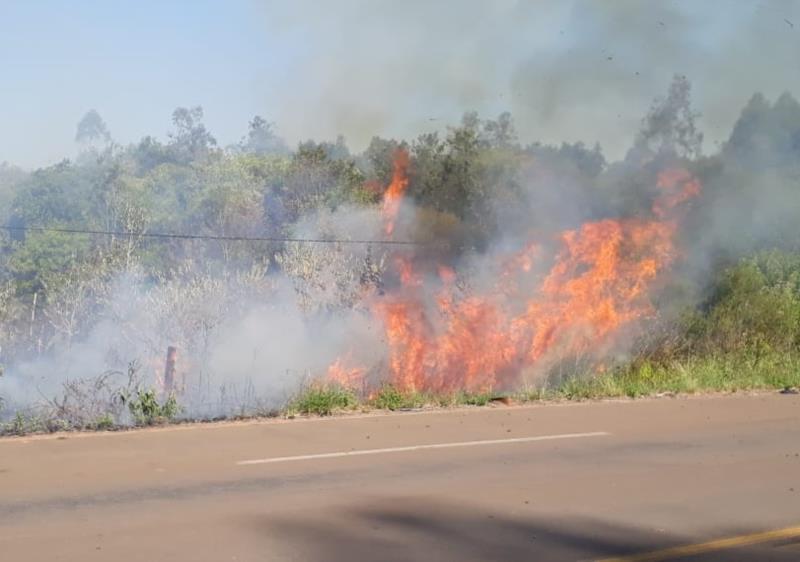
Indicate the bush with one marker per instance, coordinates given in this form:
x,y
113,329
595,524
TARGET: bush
x,y
754,308
389,398
105,423
147,410
323,400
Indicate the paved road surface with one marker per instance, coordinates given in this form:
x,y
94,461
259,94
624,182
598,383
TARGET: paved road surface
x,y
718,478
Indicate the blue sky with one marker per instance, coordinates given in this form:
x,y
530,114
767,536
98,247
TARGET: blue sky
x,y
567,70
132,61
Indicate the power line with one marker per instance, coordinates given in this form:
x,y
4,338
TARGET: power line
x,y
180,236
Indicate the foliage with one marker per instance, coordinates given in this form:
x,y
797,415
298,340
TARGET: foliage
x,y
42,257
695,374
92,128
261,138
753,308
470,184
323,400
190,141
147,409
670,127
390,398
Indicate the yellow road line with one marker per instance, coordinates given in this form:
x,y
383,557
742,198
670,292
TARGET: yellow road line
x,y
711,546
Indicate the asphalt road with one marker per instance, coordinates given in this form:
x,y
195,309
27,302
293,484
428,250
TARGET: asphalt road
x,y
705,478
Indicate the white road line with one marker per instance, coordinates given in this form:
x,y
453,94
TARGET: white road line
x,y
423,447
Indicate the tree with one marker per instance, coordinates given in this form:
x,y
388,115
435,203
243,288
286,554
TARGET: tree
x,y
92,129
314,180
378,157
190,141
58,193
766,135
149,153
231,204
42,256
669,128
11,177
461,167
261,138
501,133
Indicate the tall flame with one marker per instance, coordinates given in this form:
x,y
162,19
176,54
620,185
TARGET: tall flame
x,y
598,281
397,188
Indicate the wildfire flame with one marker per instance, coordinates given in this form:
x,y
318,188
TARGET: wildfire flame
x,y
397,188
350,377
598,282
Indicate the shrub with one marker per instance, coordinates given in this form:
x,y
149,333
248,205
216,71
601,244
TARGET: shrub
x,y
323,400
753,309
147,410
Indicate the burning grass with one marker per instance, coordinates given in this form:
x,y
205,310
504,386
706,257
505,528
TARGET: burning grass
x,y
572,295
692,375
746,337
727,373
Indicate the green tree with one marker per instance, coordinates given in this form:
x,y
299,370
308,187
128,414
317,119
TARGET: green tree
x,y
42,256
261,138
190,142
669,129
92,130
57,194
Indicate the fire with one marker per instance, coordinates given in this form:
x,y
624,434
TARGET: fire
x,y
597,284
566,302
405,270
397,188
679,186
352,377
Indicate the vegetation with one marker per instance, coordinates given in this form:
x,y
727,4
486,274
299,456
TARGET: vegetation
x,y
693,376
146,409
323,400
727,320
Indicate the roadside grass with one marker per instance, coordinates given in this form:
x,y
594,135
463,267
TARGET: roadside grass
x,y
638,379
689,376
390,398
634,380
144,406
26,423
322,400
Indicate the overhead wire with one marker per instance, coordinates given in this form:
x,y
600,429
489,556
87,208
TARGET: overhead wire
x,y
224,238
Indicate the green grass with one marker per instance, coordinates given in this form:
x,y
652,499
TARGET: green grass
x,y
472,399
27,423
323,400
688,376
722,373
104,423
719,373
390,398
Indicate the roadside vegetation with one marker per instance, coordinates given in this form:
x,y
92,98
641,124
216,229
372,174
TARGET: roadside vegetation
x,y
726,318
730,373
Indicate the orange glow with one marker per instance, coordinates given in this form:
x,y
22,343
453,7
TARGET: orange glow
x,y
394,193
570,301
347,377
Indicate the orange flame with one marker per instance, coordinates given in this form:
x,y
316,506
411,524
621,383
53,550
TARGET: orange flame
x,y
599,281
394,193
348,377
